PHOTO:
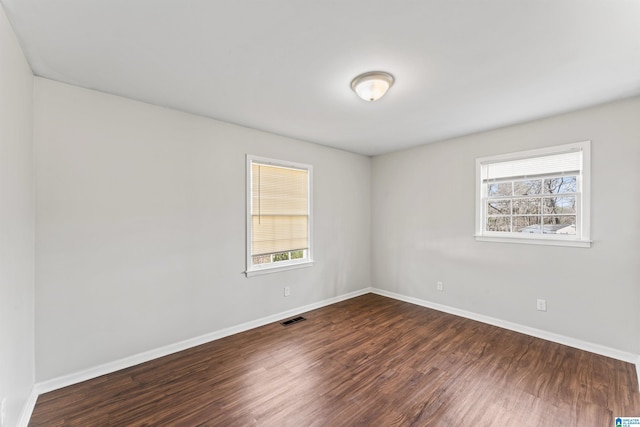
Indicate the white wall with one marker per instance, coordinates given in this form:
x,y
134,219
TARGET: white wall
x,y
141,227
16,225
423,225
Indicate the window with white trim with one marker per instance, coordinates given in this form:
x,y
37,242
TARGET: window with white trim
x,y
537,196
279,223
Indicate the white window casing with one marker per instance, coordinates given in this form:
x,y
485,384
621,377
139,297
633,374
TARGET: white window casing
x,y
279,215
539,196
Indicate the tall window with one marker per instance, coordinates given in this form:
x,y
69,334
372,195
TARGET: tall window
x,y
537,196
278,215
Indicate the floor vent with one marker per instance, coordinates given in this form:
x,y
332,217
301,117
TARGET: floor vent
x,y
292,321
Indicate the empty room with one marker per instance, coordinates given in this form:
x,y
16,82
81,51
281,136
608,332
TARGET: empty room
x,y
356,213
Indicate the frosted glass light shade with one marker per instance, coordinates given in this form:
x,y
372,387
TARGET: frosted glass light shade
x,y
373,85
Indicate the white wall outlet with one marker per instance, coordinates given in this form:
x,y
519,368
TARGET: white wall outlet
x,y
541,305
3,411
440,286
287,291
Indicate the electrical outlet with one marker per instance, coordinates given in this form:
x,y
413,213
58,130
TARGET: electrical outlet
x,y
440,286
541,305
287,291
3,411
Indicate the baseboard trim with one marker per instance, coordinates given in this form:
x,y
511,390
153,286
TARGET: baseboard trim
x,y
127,362
538,333
107,368
27,409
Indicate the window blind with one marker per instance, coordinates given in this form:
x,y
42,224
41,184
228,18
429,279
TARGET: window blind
x,y
279,209
568,163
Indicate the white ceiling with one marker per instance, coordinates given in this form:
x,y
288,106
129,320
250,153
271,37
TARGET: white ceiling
x,y
285,66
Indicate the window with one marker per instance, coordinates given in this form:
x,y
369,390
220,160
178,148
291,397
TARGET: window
x,y
537,196
278,215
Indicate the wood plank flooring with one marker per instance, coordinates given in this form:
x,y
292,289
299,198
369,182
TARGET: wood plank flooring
x,y
368,361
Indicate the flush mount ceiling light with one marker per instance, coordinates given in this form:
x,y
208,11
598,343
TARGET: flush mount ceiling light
x,y
373,85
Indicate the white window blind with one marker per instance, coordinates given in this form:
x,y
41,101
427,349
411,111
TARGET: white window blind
x,y
569,163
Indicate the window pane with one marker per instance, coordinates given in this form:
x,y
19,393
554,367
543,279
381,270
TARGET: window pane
x,y
499,189
530,186
564,184
565,224
499,223
560,205
526,207
499,207
261,259
283,256
526,224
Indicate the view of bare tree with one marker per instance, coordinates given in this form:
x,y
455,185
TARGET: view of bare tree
x,y
542,205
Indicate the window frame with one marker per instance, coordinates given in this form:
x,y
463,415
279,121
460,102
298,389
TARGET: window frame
x,y
581,239
258,269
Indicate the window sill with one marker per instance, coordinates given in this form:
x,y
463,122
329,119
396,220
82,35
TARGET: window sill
x,y
535,241
269,270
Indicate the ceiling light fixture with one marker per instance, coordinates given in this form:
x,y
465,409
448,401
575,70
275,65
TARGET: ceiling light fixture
x,y
373,85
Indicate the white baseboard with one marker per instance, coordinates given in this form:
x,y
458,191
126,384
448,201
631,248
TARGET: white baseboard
x,y
107,368
27,409
127,362
538,333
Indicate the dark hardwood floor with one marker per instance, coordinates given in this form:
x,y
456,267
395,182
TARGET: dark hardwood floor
x,y
367,361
